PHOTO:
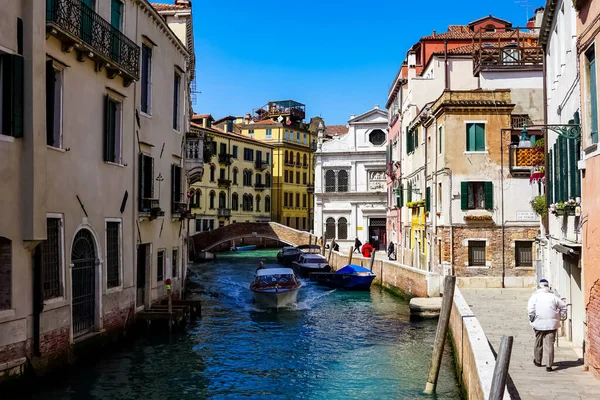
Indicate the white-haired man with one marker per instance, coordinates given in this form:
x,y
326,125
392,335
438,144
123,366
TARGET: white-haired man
x,y
544,309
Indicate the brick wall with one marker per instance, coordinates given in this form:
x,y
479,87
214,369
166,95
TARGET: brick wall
x,y
14,351
55,342
116,321
593,330
5,273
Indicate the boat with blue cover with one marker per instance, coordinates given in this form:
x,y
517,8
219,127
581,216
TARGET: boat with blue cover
x,y
353,277
243,248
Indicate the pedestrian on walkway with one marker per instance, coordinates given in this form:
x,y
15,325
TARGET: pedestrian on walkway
x,y
544,309
357,244
391,252
367,249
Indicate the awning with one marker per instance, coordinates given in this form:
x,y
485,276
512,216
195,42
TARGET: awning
x,y
570,251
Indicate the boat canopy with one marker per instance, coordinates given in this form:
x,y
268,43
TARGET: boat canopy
x,y
351,269
309,247
274,271
286,248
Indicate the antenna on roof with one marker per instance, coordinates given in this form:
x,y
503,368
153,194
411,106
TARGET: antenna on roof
x,y
526,5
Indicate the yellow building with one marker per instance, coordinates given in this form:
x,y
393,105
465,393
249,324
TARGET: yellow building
x,y
281,124
236,183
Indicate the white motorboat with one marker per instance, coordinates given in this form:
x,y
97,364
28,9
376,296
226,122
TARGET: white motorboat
x,y
310,262
275,287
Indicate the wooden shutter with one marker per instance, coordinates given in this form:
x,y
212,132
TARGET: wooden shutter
x,y
141,183
464,195
470,137
577,174
549,180
479,137
13,87
409,193
593,100
564,178
416,138
489,195
427,198
399,196
572,169
556,174
50,90
173,194
407,141
107,123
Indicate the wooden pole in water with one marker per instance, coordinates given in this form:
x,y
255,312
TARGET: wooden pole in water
x,y
372,261
330,251
441,334
323,241
501,369
350,255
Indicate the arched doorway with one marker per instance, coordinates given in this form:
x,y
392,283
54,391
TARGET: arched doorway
x,y
83,280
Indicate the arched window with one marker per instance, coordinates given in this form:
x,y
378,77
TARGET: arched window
x,y
257,202
249,178
212,173
222,200
6,273
211,200
490,28
377,137
342,181
342,228
197,199
330,181
235,176
234,202
297,158
268,180
305,163
285,158
330,228
258,179
267,204
250,202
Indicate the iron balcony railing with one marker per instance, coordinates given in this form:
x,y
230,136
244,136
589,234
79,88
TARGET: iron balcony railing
x,y
224,182
224,212
225,159
310,188
261,165
260,186
76,23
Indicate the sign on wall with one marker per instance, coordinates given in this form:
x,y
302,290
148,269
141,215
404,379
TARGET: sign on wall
x,y
526,216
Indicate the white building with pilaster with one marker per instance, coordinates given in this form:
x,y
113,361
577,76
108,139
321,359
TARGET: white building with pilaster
x,y
350,182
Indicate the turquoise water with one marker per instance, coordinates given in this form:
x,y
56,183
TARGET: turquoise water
x,y
333,345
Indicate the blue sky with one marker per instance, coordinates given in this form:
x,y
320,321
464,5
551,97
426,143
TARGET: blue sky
x,y
337,57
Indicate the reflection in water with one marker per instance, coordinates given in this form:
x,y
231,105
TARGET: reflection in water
x,y
332,345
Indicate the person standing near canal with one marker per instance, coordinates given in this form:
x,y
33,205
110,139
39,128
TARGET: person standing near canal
x,y
357,244
544,309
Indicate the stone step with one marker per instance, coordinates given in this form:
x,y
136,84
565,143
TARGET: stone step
x,y
425,307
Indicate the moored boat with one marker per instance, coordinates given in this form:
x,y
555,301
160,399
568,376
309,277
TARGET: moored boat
x,y
353,277
244,248
275,287
289,254
310,262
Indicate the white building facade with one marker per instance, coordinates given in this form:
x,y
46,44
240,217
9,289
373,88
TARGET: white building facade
x,y
350,183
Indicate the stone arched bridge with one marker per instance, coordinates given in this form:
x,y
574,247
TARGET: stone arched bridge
x,y
266,230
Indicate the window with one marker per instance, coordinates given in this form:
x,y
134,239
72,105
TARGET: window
x,y
146,79
510,54
304,200
175,262
5,273
523,253
330,181
222,200
235,176
258,179
298,137
440,140
54,92
342,181
305,139
251,133
248,154
146,189
160,265
475,137
304,223
298,177
304,178
269,134
198,225
285,200
176,187
287,221
267,204
298,200
247,177
12,86
297,223
286,138
212,173
235,202
112,130
198,198
257,203
342,228
259,156
298,159
304,162
113,253
268,180
286,176
116,15
222,149
440,197
477,195
211,199
235,151
176,100
291,176
268,159
52,259
490,28
377,137
591,95
477,253
285,157
330,228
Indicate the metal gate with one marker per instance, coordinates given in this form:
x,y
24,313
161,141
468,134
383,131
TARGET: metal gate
x,y
83,257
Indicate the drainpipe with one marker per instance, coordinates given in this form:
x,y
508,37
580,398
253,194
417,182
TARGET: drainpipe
x,y
134,226
503,227
446,80
545,94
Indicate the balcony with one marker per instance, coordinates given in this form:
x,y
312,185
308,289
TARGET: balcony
x,y
310,188
178,208
78,27
298,164
194,159
152,207
305,166
313,147
261,165
260,186
225,159
522,161
223,183
289,163
223,212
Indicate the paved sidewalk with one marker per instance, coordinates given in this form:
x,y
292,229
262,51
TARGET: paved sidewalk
x,y
504,312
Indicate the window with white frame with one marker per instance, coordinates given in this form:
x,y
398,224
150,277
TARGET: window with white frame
x,y
477,254
52,258
113,253
54,97
523,253
112,129
269,134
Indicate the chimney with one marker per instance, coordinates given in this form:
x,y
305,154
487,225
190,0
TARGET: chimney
x,y
376,106
186,3
352,116
434,33
539,16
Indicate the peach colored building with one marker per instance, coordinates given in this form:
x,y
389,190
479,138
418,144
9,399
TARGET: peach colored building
x,y
588,26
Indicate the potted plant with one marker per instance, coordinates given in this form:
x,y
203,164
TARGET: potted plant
x,y
539,205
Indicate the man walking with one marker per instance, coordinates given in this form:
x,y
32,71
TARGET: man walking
x,y
357,244
544,310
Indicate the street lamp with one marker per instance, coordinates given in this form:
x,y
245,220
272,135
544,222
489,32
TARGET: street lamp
x,y
572,130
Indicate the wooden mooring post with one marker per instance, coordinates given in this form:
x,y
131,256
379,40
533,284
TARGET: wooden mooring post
x,y
372,261
501,369
330,251
441,334
350,255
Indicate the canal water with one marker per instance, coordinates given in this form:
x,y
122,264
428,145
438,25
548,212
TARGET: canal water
x,y
333,345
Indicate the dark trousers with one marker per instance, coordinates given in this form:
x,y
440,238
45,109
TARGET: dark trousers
x,y
356,250
543,352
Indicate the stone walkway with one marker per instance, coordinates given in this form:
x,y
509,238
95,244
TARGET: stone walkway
x,y
504,312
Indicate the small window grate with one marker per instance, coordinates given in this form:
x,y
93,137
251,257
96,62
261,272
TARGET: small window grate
x,y
477,253
523,254
112,254
51,260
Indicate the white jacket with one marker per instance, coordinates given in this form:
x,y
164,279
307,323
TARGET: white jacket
x,y
544,310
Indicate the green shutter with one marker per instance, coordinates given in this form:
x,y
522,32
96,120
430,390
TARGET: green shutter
x,y
13,88
110,113
479,137
556,183
470,146
409,193
427,198
50,88
399,196
464,195
440,140
578,175
489,195
416,137
564,178
592,96
549,181
572,170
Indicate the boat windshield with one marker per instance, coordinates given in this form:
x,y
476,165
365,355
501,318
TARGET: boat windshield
x,y
268,280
